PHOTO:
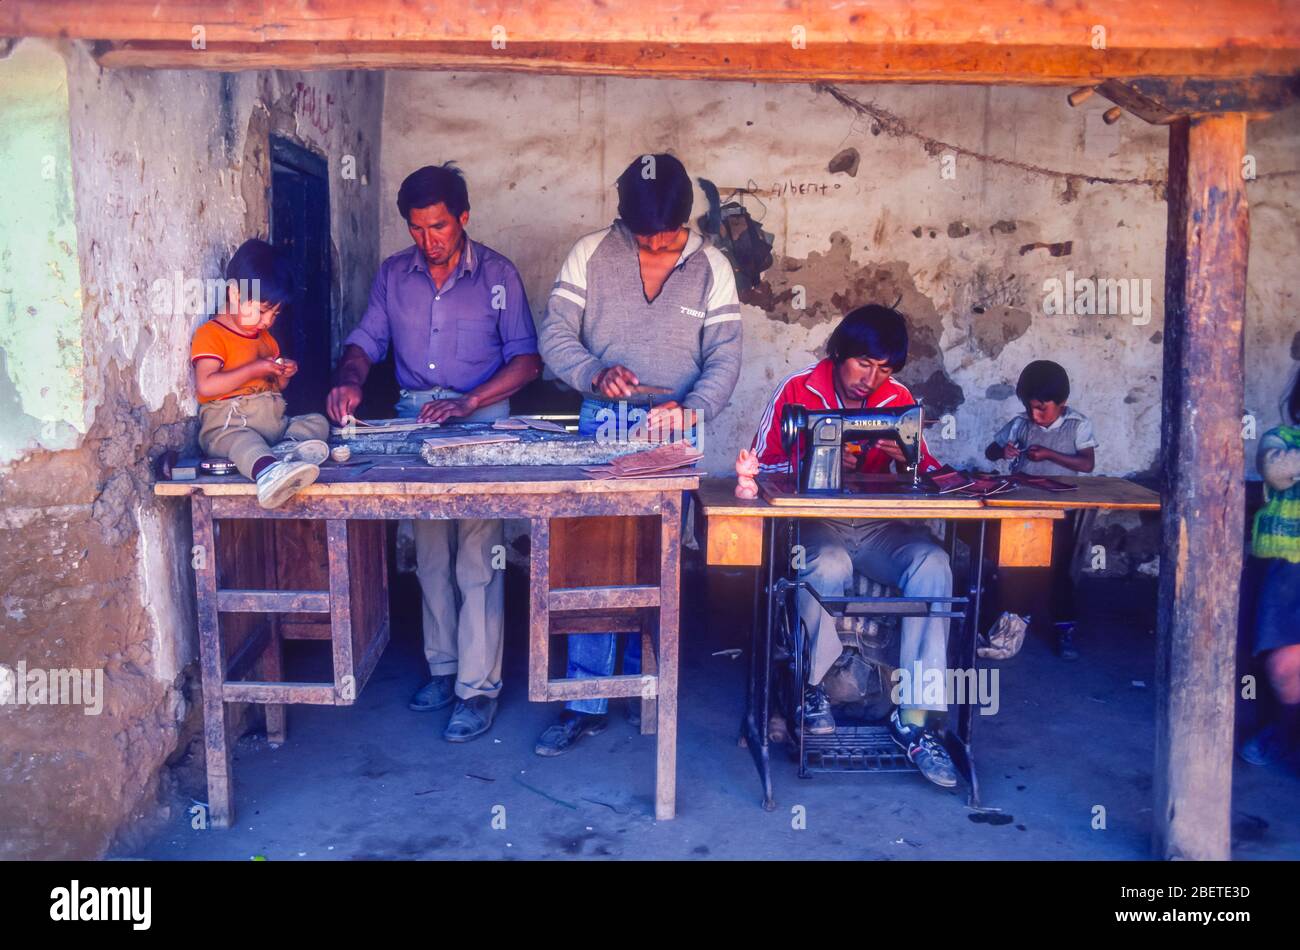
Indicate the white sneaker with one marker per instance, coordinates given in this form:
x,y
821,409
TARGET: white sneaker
x,y
280,481
314,451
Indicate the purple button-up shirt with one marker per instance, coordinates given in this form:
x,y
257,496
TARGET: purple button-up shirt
x,y
453,338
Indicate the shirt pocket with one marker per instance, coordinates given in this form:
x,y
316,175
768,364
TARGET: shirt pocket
x,y
478,339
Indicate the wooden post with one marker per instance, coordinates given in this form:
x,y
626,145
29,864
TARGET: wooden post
x,y
1204,490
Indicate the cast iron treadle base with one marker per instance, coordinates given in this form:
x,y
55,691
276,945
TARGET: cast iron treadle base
x,y
855,749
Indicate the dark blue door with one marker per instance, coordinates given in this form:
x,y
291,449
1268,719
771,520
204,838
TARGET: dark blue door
x,y
300,224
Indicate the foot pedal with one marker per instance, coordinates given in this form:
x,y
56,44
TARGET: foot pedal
x,y
855,749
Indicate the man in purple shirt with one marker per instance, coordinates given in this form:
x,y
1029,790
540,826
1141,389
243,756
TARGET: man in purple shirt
x,y
455,313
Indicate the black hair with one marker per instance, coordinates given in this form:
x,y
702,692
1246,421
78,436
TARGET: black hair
x,y
1045,381
873,332
255,260
432,185
655,202
1293,399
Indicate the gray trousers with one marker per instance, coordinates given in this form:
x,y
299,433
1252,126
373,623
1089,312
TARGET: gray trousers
x,y
899,553
454,563
243,428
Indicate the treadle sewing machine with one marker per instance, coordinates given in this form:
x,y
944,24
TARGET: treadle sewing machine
x,y
760,534
815,441
818,469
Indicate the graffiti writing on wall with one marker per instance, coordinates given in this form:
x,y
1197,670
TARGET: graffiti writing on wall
x,y
794,189
314,106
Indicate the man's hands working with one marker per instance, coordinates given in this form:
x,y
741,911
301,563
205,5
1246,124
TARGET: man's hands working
x,y
615,382
344,398
440,410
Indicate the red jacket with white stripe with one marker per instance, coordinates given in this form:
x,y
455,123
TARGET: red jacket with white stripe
x,y
814,388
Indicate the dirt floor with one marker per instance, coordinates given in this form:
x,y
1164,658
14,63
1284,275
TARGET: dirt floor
x,y
377,780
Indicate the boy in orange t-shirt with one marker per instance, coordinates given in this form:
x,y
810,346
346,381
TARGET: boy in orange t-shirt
x,y
239,375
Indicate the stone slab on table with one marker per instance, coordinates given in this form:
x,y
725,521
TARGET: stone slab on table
x,y
531,446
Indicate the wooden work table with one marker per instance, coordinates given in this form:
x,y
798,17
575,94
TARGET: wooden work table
x,y
1025,515
316,568
1092,491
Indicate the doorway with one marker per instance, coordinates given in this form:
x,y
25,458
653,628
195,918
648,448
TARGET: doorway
x,y
300,227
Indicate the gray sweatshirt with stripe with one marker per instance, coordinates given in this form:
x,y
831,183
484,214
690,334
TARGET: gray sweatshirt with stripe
x,y
687,339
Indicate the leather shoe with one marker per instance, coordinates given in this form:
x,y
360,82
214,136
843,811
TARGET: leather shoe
x,y
435,694
471,717
564,735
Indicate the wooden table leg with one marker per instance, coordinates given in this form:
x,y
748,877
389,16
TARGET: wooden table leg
x,y
649,667
336,552
273,670
273,657
539,615
669,621
212,663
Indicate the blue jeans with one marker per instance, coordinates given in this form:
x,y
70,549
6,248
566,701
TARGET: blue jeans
x,y
1279,605
598,413
412,400
897,553
594,654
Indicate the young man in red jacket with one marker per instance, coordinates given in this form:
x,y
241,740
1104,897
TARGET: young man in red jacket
x,y
865,350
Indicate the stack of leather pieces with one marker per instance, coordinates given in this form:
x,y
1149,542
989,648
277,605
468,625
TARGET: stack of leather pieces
x,y
664,461
983,484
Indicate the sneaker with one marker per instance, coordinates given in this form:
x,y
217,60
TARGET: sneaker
x,y
817,718
472,717
564,735
313,451
280,481
1265,748
924,750
435,694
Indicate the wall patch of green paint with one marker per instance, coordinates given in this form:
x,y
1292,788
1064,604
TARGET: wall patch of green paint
x,y
42,393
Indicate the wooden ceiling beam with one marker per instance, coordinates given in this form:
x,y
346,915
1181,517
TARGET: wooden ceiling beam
x,y
971,63
1161,101
1129,24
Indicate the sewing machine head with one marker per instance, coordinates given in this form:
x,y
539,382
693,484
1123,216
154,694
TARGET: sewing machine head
x,y
818,469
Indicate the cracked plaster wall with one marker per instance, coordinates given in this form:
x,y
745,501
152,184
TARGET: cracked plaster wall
x,y
166,172
1035,189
